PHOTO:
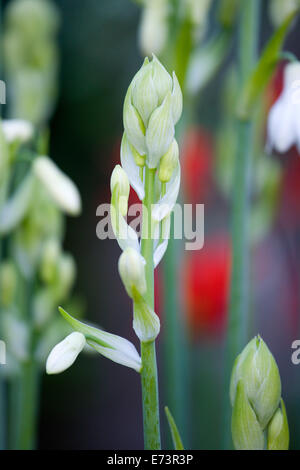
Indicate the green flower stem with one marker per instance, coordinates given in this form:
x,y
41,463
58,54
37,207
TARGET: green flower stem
x,y
28,405
239,295
148,354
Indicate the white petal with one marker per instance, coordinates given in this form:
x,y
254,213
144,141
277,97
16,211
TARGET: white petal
x,y
64,354
162,247
60,187
166,203
125,235
176,99
281,125
17,130
119,350
130,167
160,132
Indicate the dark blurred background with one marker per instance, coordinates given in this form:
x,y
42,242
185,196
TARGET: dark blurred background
x,y
96,403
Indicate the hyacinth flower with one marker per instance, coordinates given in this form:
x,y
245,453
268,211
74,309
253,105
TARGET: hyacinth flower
x,y
283,121
150,164
259,420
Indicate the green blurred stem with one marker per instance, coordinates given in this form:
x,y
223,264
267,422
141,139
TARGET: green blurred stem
x,y
29,398
149,367
2,383
239,295
24,389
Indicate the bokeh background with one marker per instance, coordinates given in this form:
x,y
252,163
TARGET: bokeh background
x,y
96,403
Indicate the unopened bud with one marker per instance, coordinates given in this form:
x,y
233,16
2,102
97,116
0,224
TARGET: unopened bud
x,y
8,282
50,256
60,187
257,368
64,354
168,162
132,272
152,106
120,187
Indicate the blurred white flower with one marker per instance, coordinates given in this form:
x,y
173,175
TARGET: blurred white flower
x,y
64,354
154,27
283,127
17,130
60,187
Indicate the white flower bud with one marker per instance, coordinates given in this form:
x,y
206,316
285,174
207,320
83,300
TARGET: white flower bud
x,y
146,323
50,256
119,185
132,272
154,27
60,187
17,130
280,10
168,162
64,354
152,107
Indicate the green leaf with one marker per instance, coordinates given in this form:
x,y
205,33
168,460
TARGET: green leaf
x,y
174,431
263,70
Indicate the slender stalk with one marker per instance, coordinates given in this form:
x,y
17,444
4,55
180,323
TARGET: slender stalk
x,y
29,397
239,295
2,385
149,367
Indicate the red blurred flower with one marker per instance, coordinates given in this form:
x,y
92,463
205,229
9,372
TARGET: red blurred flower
x,y
206,282
196,163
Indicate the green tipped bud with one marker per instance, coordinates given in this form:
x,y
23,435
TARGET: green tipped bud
x,y
33,18
119,185
278,430
50,255
139,159
255,391
257,368
132,272
246,431
153,105
66,273
8,283
168,162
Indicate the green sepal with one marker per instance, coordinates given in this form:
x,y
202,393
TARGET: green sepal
x,y
278,430
246,431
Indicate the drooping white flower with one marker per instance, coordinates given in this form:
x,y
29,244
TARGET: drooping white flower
x,y
113,347
64,354
284,118
60,187
17,130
